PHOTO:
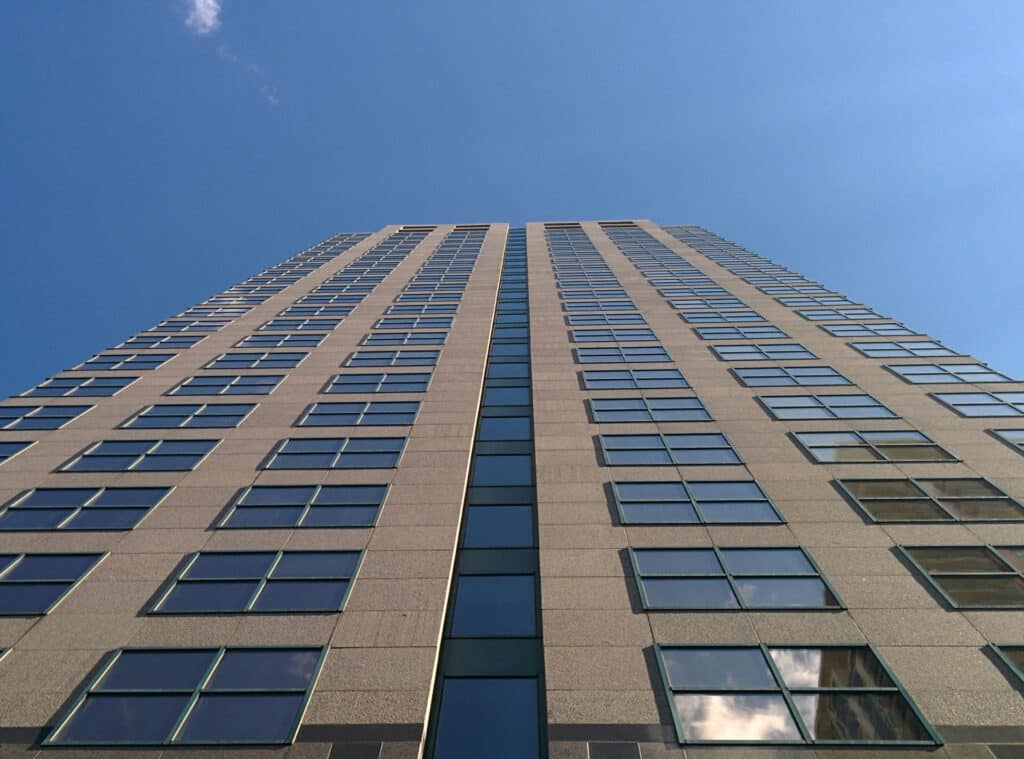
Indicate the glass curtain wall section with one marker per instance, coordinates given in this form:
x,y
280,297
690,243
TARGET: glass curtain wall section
x,y
489,690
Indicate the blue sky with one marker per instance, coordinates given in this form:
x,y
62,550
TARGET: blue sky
x,y
149,162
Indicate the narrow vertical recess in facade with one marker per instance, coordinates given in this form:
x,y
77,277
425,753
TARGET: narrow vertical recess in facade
x,y
489,692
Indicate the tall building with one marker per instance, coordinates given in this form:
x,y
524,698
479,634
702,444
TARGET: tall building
x,y
594,489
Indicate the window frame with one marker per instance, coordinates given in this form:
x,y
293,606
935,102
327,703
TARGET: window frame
x,y
63,526
732,579
127,423
299,523
652,413
786,694
695,503
153,451
98,558
821,404
954,378
924,495
872,447
66,714
757,352
189,560
367,409
938,397
344,442
787,373
991,548
667,449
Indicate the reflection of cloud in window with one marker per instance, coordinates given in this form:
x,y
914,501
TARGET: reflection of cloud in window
x,y
799,667
755,717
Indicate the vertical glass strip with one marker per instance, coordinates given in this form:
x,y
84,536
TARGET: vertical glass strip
x,y
489,689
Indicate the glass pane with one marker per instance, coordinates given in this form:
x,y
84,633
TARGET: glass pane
x,y
915,453
55,566
158,670
987,508
882,488
124,719
960,488
983,591
210,596
502,470
494,605
859,717
717,668
697,561
738,512
785,592
244,718
504,428
302,595
255,669
659,513
341,516
693,593
845,455
488,717
755,717
909,509
957,559
316,564
499,526
209,566
767,561
839,667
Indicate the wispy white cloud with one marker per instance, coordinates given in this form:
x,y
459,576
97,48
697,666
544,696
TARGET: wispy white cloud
x,y
203,16
204,19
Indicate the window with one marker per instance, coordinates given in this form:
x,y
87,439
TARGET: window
x,y
816,300
612,335
192,325
630,379
188,696
684,303
208,312
80,508
672,293
38,417
281,341
1013,657
788,694
393,358
928,374
973,577
379,383
228,384
831,314
404,338
738,333
243,360
621,355
895,446
425,308
824,407
496,717
943,499
271,506
170,342
789,376
220,582
491,470
141,456
494,605
11,448
312,325
903,349
867,330
372,413
1013,438
336,453
125,361
761,352
32,584
81,386
795,290
983,404
730,578
682,449
702,317
604,410
421,322
599,305
738,502
411,297
593,320
190,415
607,292
317,311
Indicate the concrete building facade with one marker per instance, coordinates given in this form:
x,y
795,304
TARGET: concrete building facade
x,y
575,490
